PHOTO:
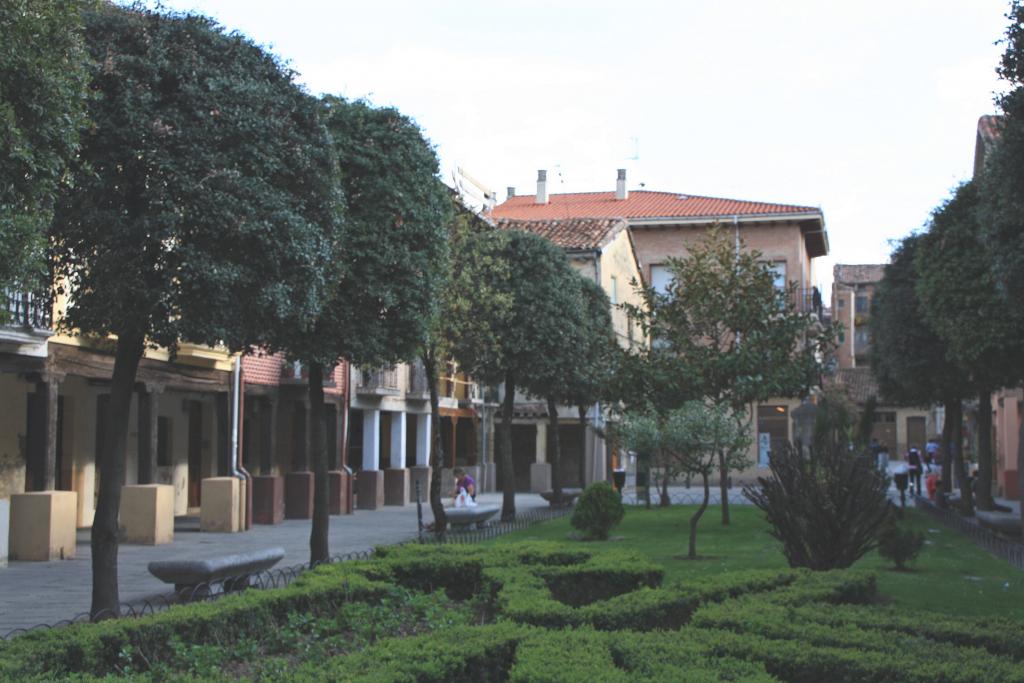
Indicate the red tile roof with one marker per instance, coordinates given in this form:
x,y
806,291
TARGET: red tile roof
x,y
639,204
569,233
858,274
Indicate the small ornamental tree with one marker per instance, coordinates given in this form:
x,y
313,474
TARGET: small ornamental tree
x,y
43,77
827,505
688,440
723,328
384,275
508,323
201,194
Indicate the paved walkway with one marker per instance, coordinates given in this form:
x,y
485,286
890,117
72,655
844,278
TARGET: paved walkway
x,y
34,593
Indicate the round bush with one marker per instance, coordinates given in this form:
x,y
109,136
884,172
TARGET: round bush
x,y
900,546
598,510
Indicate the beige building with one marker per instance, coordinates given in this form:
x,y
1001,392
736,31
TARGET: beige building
x,y
899,428
661,225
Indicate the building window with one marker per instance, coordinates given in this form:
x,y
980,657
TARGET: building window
x,y
772,431
862,336
863,304
661,277
615,291
841,302
778,269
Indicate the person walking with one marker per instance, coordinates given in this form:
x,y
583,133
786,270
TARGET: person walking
x,y
914,465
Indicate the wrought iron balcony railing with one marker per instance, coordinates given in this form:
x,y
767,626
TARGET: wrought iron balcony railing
x,y
379,381
27,310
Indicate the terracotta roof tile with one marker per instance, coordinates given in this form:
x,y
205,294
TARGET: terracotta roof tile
x,y
569,233
639,204
857,383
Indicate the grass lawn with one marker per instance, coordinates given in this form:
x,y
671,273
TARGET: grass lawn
x,y
951,575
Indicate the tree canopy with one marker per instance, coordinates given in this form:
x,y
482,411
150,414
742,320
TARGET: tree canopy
x,y
204,192
43,77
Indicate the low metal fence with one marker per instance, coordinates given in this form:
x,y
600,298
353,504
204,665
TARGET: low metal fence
x,y
486,533
1003,548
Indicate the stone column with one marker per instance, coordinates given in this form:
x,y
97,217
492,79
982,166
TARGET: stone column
x,y
397,440
423,440
371,439
42,445
149,398
540,470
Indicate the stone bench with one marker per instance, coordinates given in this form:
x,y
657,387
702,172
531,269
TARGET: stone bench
x,y
1008,524
569,496
464,518
185,574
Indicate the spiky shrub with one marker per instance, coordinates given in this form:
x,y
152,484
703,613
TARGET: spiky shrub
x,y
598,511
900,546
827,505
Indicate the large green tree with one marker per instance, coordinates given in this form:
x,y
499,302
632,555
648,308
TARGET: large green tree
x,y
1002,188
723,332
958,291
386,270
204,184
43,77
508,324
910,361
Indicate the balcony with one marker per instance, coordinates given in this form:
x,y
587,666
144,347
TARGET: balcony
x,y
803,301
419,388
381,381
26,322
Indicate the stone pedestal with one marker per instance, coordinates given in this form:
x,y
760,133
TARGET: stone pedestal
x,y
43,525
339,492
298,495
396,486
421,475
220,507
370,489
267,500
147,514
540,477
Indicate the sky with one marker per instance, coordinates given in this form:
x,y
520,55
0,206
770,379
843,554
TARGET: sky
x,y
866,109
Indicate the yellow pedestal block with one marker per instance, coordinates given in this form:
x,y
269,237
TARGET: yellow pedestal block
x,y
147,514
220,498
43,525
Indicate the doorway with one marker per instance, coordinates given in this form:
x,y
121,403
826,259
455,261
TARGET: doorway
x,y
195,453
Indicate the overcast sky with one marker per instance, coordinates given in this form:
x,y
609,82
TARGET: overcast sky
x,y
866,109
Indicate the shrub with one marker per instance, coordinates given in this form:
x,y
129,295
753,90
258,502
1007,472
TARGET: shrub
x,y
826,504
899,545
598,511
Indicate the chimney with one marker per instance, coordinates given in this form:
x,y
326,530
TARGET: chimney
x,y
620,185
542,187
511,192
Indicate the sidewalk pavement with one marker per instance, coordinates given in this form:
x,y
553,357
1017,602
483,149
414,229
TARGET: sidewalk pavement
x,y
33,593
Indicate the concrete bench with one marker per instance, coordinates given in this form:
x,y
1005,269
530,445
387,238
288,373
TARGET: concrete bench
x,y
464,518
237,569
569,496
1004,523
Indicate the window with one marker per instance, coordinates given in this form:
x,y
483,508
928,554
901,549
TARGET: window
x,y
661,277
778,269
863,304
841,302
862,336
614,295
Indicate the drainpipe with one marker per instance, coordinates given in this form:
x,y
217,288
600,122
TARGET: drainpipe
x,y
237,469
736,230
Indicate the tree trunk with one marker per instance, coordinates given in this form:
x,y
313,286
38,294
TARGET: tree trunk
x,y
966,496
104,535
508,474
947,447
692,554
665,476
723,486
984,490
582,410
556,451
318,544
1020,460
436,456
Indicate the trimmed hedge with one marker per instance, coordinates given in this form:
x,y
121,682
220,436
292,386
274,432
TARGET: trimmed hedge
x,y
98,648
